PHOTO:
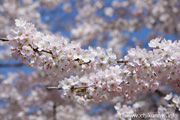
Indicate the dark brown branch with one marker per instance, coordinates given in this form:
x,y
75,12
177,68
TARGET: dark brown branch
x,y
11,65
122,61
159,93
54,111
47,51
72,87
4,39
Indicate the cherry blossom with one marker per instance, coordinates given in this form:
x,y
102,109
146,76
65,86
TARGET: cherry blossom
x,y
95,74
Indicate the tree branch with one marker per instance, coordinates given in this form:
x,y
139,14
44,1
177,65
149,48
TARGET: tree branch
x,y
4,39
122,61
159,93
80,62
72,87
54,111
51,88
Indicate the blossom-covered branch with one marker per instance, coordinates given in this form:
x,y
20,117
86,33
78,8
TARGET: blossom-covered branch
x,y
96,68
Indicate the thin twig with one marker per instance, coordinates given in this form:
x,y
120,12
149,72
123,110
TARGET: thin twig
x,y
47,51
50,88
72,87
54,111
4,39
122,61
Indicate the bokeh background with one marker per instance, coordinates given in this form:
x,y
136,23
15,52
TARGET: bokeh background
x,y
116,24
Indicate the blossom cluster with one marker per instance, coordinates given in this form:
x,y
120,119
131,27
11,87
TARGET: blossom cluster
x,y
100,86
96,78
55,56
168,108
141,72
19,104
26,97
97,74
174,101
124,111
